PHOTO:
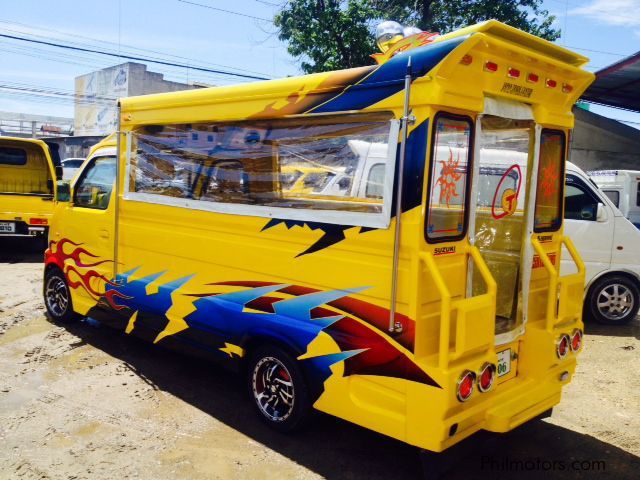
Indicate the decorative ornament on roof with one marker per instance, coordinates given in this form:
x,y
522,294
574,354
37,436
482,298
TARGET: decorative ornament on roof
x,y
392,39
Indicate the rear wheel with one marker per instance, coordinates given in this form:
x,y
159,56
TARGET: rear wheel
x,y
57,297
278,388
613,300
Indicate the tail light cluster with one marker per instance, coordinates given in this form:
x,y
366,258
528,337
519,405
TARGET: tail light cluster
x,y
569,343
512,72
468,380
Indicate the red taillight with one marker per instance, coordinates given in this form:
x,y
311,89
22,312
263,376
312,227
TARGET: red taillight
x,y
513,72
487,375
551,83
466,60
38,221
566,88
491,67
562,346
465,385
576,340
532,78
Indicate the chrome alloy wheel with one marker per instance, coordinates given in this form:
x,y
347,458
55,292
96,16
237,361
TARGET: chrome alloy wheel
x,y
56,295
273,389
615,301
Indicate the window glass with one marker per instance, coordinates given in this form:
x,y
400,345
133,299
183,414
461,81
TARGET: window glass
x,y
275,163
93,190
12,156
547,215
450,166
579,201
638,194
375,183
614,196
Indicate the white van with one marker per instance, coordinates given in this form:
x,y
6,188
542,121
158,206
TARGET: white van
x,y
609,245
623,188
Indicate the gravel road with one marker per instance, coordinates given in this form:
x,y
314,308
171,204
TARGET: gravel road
x,y
83,401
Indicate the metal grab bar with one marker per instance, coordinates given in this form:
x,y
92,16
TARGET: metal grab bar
x,y
554,274
445,295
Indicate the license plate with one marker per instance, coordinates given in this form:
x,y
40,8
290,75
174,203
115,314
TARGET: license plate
x,y
504,362
7,227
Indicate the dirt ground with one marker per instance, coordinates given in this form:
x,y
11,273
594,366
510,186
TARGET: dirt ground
x,y
83,401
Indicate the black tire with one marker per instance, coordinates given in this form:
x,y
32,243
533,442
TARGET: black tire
x,y
282,403
613,300
57,297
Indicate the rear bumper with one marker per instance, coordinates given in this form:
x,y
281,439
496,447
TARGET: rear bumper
x,y
511,404
23,229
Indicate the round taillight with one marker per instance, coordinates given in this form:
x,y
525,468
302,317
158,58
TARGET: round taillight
x,y
465,385
562,346
576,340
486,377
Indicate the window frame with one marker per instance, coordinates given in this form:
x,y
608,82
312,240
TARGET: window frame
x,y
563,167
337,217
468,181
83,175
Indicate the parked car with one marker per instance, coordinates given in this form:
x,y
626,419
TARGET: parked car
x,y
70,166
610,248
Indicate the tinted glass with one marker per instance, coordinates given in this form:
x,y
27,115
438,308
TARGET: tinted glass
x,y
547,215
579,202
12,156
450,166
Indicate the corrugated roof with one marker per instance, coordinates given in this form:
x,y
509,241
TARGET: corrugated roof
x,y
617,85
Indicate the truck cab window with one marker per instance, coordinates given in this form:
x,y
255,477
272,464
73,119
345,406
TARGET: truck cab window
x,y
579,201
93,190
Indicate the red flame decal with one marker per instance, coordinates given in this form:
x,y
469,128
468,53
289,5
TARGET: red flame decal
x,y
71,262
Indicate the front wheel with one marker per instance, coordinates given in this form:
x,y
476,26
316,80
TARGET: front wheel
x,y
613,300
278,388
57,297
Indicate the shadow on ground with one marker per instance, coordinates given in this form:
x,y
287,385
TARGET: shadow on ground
x,y
631,329
336,449
21,250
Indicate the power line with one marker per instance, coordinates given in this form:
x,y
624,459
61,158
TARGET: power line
x,y
163,55
130,57
226,11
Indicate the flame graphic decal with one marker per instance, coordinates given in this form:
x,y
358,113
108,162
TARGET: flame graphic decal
x,y
92,281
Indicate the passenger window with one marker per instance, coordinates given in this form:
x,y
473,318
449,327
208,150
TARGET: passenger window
x,y
579,201
375,182
448,184
286,163
93,189
614,196
547,216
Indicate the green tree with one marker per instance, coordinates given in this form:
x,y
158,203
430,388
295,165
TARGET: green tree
x,y
333,34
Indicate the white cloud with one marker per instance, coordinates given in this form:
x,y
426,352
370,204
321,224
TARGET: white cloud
x,y
612,12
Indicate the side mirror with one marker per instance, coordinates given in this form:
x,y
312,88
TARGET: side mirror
x,y
601,214
63,193
344,183
59,170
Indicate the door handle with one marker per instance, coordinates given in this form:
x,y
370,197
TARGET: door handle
x,y
104,234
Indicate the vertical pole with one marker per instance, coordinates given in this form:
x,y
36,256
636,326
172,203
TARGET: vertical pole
x,y
406,119
116,209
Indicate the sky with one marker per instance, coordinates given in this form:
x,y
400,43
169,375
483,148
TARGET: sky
x,y
225,35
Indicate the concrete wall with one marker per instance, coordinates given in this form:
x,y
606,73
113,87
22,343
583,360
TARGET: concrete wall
x,y
601,143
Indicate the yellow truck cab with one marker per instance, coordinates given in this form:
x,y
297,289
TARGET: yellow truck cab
x,y
27,186
421,299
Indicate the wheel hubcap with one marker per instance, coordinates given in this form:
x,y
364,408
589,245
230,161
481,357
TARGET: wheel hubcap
x,y
615,301
273,389
57,296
